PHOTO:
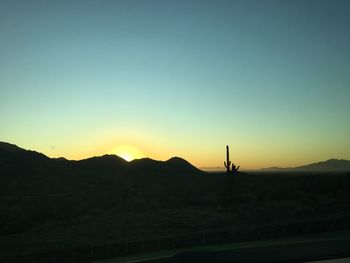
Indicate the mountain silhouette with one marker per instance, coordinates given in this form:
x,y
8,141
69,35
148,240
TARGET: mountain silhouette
x,y
13,150
173,166
18,160
4,146
36,190
145,164
108,161
39,189
180,165
328,165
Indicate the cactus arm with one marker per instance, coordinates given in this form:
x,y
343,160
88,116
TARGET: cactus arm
x,y
235,168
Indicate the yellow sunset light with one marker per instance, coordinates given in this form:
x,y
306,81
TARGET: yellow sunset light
x,y
127,152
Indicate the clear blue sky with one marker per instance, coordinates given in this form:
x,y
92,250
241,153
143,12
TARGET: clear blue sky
x,y
269,78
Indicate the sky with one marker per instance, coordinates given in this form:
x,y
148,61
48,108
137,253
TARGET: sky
x,y
177,78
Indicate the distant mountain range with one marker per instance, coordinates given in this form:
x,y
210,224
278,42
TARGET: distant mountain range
x,y
328,165
14,159
36,188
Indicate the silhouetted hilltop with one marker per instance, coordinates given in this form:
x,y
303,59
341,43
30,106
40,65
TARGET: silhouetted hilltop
x,y
180,165
4,146
14,150
107,161
18,160
172,166
328,165
36,188
145,163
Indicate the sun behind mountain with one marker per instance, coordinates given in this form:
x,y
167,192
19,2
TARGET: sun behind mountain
x,y
127,152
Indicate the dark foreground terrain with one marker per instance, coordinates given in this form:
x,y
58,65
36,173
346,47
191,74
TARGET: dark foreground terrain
x,y
55,210
288,252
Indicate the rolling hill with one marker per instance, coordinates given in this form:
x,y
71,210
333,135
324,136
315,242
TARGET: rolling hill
x,y
16,160
336,165
35,188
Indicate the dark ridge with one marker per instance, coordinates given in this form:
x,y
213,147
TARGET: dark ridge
x,y
145,161
61,159
145,166
328,165
10,152
106,159
20,161
177,159
331,164
181,165
10,147
101,164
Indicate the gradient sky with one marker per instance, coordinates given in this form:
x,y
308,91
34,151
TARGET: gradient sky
x,y
185,78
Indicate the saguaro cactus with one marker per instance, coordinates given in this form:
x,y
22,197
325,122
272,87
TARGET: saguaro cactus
x,y
235,168
228,162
